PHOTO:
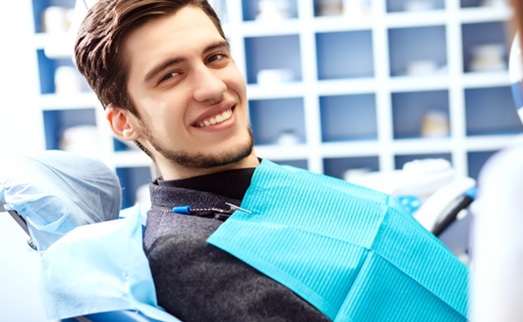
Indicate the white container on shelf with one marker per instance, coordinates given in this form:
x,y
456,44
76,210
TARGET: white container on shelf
x,y
67,81
488,57
274,76
357,8
330,7
273,9
422,67
435,124
56,19
494,3
420,5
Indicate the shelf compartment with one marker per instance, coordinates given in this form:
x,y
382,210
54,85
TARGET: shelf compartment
x,y
400,160
345,168
491,111
59,76
46,71
302,163
352,10
328,8
484,47
278,121
415,6
482,3
348,117
260,53
57,122
476,161
134,182
417,51
344,54
269,10
423,114
39,8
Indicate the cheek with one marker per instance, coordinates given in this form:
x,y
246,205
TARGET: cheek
x,y
236,81
167,122
154,110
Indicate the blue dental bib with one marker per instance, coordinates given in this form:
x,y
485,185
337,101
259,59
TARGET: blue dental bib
x,y
353,253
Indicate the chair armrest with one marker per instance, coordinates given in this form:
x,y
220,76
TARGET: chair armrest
x,y
120,316
19,220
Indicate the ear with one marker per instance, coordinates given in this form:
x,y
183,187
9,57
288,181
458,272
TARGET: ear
x,y
123,123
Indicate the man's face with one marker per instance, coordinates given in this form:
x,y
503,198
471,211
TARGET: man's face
x,y
189,94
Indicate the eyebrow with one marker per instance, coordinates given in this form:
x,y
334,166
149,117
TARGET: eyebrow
x,y
173,61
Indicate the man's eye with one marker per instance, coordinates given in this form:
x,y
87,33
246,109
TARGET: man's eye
x,y
216,57
168,76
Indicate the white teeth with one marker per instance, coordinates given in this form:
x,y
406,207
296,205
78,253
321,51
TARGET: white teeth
x,y
224,116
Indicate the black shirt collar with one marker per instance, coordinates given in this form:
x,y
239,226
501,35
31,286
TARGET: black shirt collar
x,y
231,183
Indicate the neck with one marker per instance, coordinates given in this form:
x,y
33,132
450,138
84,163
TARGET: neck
x,y
171,172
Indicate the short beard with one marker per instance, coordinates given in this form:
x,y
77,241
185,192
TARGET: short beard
x,y
200,160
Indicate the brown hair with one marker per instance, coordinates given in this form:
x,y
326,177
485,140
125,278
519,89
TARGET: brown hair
x,y
98,49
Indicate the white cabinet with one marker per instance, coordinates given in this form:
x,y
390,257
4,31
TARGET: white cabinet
x,y
374,84
336,85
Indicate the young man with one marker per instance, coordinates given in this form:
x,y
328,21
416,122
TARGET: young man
x,y
257,242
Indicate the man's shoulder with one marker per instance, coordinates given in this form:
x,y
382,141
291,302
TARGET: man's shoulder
x,y
302,182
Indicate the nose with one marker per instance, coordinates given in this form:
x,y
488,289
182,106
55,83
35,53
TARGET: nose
x,y
209,86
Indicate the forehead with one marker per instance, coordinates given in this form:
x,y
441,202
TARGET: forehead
x,y
186,31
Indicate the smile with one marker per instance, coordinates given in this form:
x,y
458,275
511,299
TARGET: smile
x,y
216,119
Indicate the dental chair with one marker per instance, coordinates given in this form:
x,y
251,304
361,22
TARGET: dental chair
x,y
51,193
121,316
435,194
55,192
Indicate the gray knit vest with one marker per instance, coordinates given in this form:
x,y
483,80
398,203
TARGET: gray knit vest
x,y
196,281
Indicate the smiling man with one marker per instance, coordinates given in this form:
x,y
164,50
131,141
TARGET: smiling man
x,y
178,94
188,97
231,237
